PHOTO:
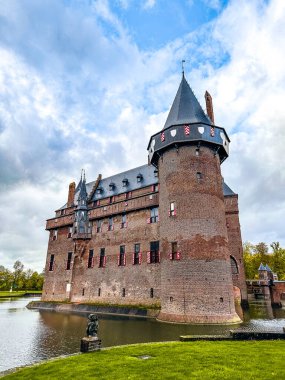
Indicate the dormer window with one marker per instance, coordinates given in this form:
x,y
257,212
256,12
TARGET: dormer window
x,y
139,177
125,182
111,186
155,173
99,190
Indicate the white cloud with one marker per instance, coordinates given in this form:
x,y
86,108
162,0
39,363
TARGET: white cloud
x,y
149,4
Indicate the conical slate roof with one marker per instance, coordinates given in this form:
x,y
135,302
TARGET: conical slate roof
x,y
82,191
185,108
261,267
267,268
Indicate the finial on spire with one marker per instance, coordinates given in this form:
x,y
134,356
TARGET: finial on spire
x,y
84,179
182,64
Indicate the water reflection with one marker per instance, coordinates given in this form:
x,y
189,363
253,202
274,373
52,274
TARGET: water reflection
x,y
27,336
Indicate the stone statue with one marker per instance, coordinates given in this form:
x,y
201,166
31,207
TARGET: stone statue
x,y
93,325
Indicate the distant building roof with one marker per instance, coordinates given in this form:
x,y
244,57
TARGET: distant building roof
x,y
261,267
267,268
185,108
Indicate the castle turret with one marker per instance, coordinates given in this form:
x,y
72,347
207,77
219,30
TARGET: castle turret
x,y
81,220
196,281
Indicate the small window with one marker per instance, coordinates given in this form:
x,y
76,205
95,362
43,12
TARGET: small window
x,y
99,190
125,182
151,292
128,195
124,221
99,292
62,212
137,254
124,292
139,177
199,175
96,203
172,209
51,263
197,152
154,255
69,235
154,218
155,188
54,234
102,258
68,263
110,224
90,262
83,292
111,186
99,225
111,199
122,256
155,173
174,250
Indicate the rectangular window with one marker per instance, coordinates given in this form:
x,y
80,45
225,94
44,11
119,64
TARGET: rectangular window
x,y
99,225
122,256
90,263
110,224
69,235
54,234
102,258
155,188
124,221
172,209
68,263
154,254
174,255
154,218
51,263
111,199
128,195
137,255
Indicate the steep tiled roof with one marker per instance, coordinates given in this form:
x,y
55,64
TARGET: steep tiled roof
x,y
185,108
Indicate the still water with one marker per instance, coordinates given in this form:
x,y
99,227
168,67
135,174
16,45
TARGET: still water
x,y
28,336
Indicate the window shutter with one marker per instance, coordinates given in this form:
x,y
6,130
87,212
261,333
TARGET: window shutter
x,y
133,258
130,194
170,255
140,258
148,257
126,196
162,136
187,130
148,220
158,256
178,255
104,261
112,227
174,212
158,218
92,262
152,188
98,202
126,225
169,212
65,264
125,259
118,259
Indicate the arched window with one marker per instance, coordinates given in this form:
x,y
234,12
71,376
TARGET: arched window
x,y
234,266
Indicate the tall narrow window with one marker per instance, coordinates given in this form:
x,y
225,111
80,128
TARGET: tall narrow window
x,y
153,255
68,263
151,293
54,234
124,221
51,263
124,292
154,215
122,256
110,224
102,258
172,209
234,265
128,195
111,199
199,176
137,255
69,232
99,225
90,263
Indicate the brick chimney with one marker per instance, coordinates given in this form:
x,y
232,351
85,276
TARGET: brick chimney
x,y
209,106
71,194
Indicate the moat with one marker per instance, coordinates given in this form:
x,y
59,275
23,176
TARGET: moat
x,y
28,336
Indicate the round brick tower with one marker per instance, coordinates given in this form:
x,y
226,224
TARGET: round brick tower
x,y
196,280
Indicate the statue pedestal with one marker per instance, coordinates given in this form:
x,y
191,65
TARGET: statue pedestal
x,y
90,344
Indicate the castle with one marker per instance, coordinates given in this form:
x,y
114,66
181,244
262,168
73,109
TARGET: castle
x,y
166,233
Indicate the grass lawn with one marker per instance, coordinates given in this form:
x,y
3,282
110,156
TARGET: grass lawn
x,y
19,293
192,360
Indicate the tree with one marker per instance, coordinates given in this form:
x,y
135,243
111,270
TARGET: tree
x,y
18,275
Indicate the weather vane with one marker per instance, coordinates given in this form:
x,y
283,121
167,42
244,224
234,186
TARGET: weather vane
x,y
182,64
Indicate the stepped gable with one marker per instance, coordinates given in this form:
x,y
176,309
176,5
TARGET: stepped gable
x,y
185,108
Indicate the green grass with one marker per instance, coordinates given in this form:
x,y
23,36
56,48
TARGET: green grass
x,y
250,360
19,293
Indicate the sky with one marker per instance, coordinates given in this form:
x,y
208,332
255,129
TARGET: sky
x,y
85,83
